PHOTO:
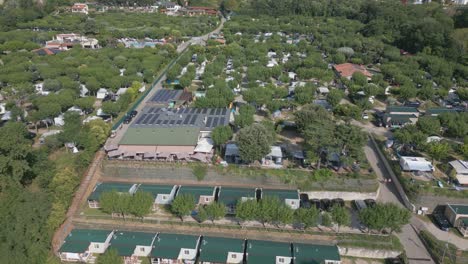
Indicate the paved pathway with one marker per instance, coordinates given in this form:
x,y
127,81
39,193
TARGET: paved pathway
x,y
414,247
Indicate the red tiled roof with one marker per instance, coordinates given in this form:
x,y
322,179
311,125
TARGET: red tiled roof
x,y
347,69
79,6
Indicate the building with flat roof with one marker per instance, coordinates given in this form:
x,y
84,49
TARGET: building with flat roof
x,y
165,97
162,194
174,248
268,252
231,196
172,134
308,254
438,111
221,250
203,195
399,116
93,199
460,171
290,197
457,215
80,244
132,245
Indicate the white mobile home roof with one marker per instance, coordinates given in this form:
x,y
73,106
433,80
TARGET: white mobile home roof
x,y
415,164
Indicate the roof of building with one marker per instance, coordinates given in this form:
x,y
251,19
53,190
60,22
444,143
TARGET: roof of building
x,y
216,249
125,242
460,166
416,164
402,109
203,118
109,186
461,209
196,191
162,136
281,194
80,5
165,96
397,118
347,69
156,189
168,245
230,196
314,254
79,239
46,51
265,252
437,111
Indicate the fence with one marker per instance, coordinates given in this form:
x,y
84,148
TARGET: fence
x,y
442,252
138,102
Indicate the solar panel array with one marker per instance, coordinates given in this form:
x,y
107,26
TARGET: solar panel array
x,y
205,118
165,96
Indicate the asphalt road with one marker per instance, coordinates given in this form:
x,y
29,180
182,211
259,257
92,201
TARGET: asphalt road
x,y
415,250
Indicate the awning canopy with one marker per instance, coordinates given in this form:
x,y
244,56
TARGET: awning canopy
x,y
129,154
110,148
114,153
164,155
199,157
204,145
149,155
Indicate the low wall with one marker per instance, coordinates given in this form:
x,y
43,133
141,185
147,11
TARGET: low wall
x,y
368,253
347,196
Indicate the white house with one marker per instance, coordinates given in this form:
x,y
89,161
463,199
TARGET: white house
x,y
101,93
162,194
460,171
416,164
80,244
290,197
80,8
274,158
83,90
174,248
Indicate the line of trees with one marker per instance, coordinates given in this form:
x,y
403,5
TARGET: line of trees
x,y
139,204
385,216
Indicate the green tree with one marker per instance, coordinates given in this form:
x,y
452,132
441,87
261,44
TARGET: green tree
x,y
246,210
221,134
438,151
268,209
254,142
215,211
86,104
387,215
108,202
141,204
111,256
245,117
429,125
111,108
183,205
307,217
326,220
340,216
334,97
359,79
202,215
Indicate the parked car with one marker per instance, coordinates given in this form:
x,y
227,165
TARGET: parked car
x,y
338,202
304,203
127,120
441,222
315,202
325,204
133,113
370,202
359,205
